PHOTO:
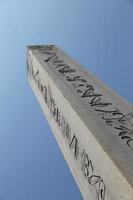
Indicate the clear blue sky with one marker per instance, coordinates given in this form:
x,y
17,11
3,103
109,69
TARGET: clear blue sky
x,y
99,35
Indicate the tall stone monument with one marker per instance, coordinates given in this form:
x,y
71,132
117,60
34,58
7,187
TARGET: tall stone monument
x,y
91,123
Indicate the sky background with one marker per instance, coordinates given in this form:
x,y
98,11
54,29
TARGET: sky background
x,y
96,33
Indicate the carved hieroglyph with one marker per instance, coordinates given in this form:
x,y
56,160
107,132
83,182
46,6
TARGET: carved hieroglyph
x,y
91,123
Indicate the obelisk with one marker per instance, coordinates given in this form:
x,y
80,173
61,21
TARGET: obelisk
x,y
91,123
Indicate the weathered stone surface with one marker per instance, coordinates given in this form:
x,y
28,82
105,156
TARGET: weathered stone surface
x,y
91,123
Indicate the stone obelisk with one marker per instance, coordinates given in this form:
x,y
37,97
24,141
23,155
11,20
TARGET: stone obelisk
x,y
91,123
